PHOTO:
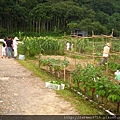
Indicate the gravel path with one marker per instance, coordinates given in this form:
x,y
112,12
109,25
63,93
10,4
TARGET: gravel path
x,y
22,93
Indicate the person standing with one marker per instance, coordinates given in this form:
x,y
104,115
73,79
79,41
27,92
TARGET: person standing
x,y
9,44
12,48
106,51
15,46
4,50
68,46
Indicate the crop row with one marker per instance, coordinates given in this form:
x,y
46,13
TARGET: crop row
x,y
52,46
92,81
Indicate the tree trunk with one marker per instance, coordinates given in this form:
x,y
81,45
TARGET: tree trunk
x,y
8,27
43,26
47,26
30,26
39,26
33,25
36,26
58,24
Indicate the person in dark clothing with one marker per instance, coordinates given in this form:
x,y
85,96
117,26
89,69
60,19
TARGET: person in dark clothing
x,y
9,44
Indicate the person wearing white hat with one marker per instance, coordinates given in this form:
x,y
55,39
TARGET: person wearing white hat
x,y
16,38
106,51
15,46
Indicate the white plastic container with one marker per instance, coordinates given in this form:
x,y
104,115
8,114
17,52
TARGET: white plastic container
x,y
47,84
54,86
62,86
21,57
117,72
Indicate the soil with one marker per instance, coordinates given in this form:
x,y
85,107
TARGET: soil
x,y
72,62
23,93
68,69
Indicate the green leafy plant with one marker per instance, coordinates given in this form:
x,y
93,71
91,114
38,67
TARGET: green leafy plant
x,y
55,64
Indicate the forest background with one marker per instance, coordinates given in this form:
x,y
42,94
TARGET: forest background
x,y
39,17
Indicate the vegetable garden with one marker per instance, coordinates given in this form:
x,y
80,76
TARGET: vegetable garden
x,y
94,82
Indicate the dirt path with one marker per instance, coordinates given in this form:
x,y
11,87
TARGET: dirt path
x,y
22,93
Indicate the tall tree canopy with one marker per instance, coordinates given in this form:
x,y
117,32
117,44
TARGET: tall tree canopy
x,y
59,16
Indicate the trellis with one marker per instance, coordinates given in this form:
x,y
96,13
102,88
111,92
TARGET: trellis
x,y
108,38
93,39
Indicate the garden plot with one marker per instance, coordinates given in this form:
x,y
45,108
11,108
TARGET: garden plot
x,y
72,61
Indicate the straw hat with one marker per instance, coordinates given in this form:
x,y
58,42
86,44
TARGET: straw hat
x,y
108,44
16,38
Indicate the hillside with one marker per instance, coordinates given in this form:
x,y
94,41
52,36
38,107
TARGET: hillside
x,y
59,16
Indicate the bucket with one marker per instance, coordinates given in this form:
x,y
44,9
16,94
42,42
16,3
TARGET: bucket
x,y
21,57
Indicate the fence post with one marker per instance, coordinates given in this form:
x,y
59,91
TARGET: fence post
x,y
70,80
93,36
64,72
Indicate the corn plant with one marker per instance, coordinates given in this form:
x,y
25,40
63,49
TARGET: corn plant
x,y
45,45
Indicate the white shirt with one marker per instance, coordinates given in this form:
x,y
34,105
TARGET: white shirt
x,y
68,45
106,51
15,44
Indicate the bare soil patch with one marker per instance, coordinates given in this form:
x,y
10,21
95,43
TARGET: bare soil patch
x,y
72,61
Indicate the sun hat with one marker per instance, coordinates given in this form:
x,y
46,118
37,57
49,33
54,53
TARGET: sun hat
x,y
16,38
108,44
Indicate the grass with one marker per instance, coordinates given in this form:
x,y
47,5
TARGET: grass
x,y
82,106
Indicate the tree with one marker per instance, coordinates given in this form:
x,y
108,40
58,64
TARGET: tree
x,y
102,17
57,15
114,23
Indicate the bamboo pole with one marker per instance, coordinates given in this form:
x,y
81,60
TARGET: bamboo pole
x,y
107,67
111,36
64,73
75,52
75,60
95,36
93,46
70,80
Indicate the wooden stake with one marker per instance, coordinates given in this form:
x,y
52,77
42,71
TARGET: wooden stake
x,y
75,60
64,33
111,36
39,59
93,47
64,72
107,67
70,80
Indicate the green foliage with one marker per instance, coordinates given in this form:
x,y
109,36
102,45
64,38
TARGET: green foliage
x,y
46,45
55,64
113,66
55,82
116,45
41,16
91,77
3,32
114,94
